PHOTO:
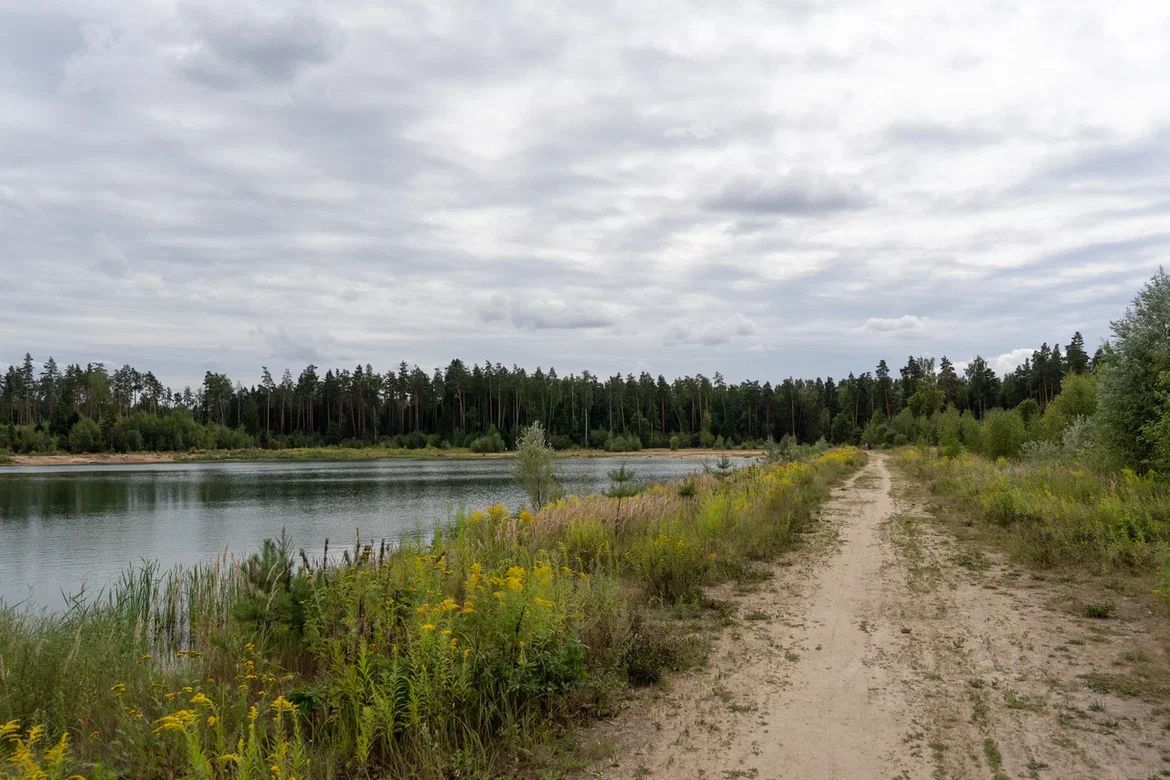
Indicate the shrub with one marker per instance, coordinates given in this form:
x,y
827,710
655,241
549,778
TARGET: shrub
x,y
489,442
534,466
671,567
85,436
1005,433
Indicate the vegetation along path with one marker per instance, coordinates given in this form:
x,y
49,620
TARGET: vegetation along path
x,y
887,648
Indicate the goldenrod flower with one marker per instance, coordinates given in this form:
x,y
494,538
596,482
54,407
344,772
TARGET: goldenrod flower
x,y
176,721
281,704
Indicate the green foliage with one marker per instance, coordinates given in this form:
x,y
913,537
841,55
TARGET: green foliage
x,y
1157,430
622,485
1131,405
950,437
620,443
534,467
671,567
85,436
1004,433
491,441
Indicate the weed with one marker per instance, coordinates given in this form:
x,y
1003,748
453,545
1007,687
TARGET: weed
x,y
991,751
1099,610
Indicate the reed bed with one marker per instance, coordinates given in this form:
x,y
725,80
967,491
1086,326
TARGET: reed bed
x,y
447,656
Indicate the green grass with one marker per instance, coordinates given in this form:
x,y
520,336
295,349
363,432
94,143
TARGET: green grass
x,y
1059,515
454,656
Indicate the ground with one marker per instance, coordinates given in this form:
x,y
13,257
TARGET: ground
x,y
892,645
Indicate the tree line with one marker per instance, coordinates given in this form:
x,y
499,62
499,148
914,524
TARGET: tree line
x,y
484,406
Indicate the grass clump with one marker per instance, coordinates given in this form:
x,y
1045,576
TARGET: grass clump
x,y
1098,610
448,656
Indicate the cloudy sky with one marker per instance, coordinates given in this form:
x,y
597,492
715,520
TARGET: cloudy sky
x,y
766,189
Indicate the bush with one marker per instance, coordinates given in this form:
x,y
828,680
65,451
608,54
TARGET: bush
x,y
623,443
1005,433
671,568
491,441
85,436
534,467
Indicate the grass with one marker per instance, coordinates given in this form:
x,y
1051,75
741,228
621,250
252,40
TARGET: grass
x,y
454,656
1098,610
1059,515
991,752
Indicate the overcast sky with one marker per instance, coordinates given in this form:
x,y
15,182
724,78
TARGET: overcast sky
x,y
765,189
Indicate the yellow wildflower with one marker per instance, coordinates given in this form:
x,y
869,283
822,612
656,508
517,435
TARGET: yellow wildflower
x,y
281,704
176,721
428,626
202,700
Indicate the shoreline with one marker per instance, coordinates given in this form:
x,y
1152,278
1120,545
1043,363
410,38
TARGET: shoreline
x,y
341,454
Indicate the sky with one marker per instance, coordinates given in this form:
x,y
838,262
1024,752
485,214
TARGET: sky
x,y
763,189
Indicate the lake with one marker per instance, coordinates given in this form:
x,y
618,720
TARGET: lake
x,y
65,527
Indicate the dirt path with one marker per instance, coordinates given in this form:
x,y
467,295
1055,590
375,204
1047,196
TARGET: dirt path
x,y
885,649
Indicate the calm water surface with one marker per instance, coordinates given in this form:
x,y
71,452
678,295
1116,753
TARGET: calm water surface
x,y
65,527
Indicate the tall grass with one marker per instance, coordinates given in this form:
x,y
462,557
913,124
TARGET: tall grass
x,y
1060,514
446,657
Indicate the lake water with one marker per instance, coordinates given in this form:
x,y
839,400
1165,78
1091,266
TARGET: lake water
x,y
64,527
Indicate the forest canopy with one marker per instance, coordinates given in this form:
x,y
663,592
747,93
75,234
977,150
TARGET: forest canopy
x,y
84,408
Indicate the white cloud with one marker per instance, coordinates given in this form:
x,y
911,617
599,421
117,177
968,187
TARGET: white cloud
x,y
363,178
1010,361
709,332
906,326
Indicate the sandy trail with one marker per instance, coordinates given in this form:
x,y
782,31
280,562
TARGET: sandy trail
x,y
880,651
